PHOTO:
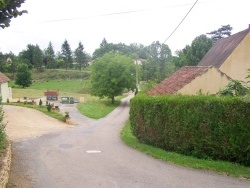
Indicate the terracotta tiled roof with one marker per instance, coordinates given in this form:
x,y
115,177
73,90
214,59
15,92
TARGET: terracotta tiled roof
x,y
178,80
54,93
222,49
3,78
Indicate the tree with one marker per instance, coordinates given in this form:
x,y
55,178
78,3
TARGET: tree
x,y
155,68
104,42
32,56
111,74
80,56
49,59
38,58
9,10
220,33
192,55
23,76
66,54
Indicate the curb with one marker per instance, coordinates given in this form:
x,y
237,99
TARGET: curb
x,y
5,170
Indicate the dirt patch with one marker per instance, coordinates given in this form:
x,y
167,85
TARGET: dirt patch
x,y
25,123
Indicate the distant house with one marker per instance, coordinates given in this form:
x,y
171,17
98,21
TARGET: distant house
x,y
5,91
230,55
190,80
51,95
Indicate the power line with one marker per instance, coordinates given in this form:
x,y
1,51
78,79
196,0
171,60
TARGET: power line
x,y
112,14
181,22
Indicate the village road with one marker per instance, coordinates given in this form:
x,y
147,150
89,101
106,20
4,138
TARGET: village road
x,y
90,154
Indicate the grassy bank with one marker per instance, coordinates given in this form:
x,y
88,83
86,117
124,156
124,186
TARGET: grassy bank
x,y
221,167
98,108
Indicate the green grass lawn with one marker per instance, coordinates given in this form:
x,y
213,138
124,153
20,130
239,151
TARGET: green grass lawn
x,y
221,167
74,86
98,108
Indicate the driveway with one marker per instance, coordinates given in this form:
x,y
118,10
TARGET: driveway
x,y
89,153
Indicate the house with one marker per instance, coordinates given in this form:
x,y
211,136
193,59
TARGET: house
x,y
5,91
190,80
51,95
230,55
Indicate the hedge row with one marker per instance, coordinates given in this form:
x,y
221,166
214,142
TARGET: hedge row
x,y
208,127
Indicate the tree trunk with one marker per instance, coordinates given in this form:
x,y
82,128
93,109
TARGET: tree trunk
x,y
112,99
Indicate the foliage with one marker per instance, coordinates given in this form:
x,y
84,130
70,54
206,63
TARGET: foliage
x,y
159,64
221,167
23,76
111,74
80,57
2,126
222,32
9,10
208,127
49,107
104,42
32,56
192,55
49,57
234,88
40,102
66,55
138,50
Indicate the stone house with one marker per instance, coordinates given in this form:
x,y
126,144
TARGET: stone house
x,y
191,80
5,91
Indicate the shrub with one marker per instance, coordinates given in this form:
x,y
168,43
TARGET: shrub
x,y
201,126
40,102
2,126
49,107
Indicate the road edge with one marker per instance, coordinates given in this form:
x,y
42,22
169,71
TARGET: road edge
x,y
5,169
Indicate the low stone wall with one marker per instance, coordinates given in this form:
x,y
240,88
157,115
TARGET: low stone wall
x,y
5,169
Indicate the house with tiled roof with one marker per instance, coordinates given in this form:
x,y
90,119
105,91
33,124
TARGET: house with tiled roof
x,y
229,58
190,80
5,91
230,55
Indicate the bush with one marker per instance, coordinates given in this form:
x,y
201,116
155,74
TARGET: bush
x,y
40,102
49,107
2,127
201,126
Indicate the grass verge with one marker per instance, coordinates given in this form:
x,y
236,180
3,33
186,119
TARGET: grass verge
x,y
53,113
220,167
98,108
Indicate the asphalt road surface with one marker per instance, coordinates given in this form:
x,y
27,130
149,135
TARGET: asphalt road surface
x,y
90,154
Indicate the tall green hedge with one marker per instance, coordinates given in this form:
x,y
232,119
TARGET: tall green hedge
x,y
202,126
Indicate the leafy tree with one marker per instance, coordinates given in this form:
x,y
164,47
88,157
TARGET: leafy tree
x,y
234,88
111,74
66,55
156,66
220,33
192,55
104,42
9,10
159,51
80,56
38,58
109,47
23,76
49,59
32,56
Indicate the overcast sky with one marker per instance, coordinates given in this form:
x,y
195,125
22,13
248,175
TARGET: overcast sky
x,y
126,21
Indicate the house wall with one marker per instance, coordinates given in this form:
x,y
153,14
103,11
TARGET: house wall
x,y
5,92
208,83
238,62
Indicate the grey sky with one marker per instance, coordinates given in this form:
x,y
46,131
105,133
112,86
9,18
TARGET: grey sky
x,y
89,21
